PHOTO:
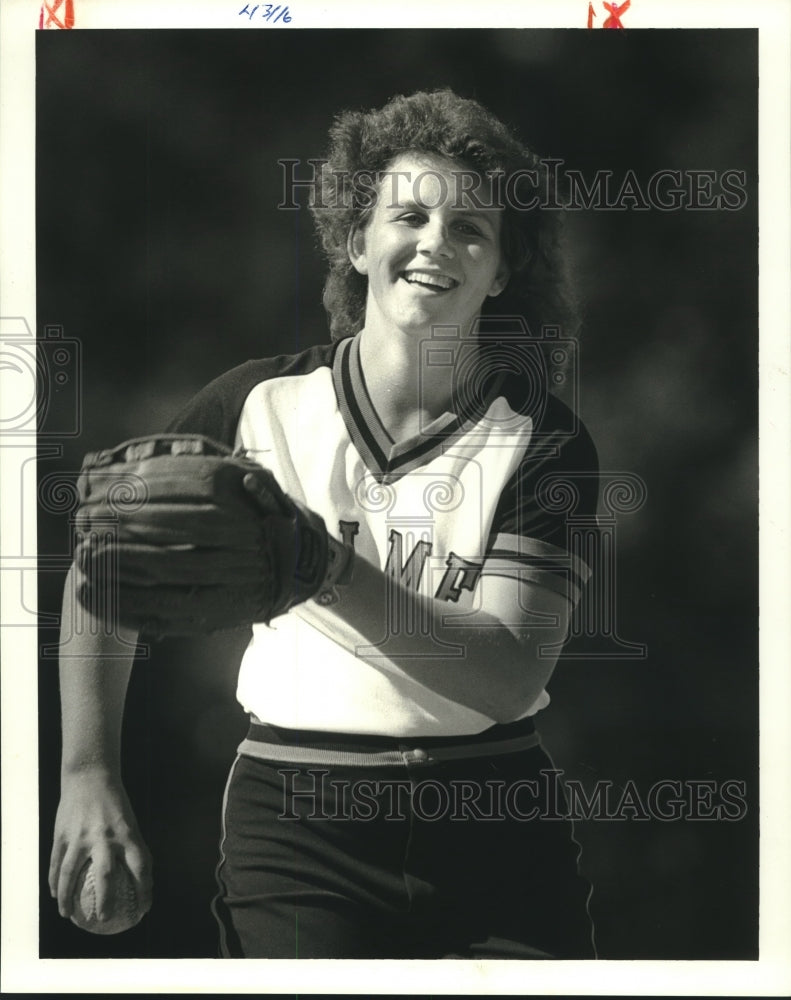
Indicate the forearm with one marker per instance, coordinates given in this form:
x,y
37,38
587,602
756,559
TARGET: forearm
x,y
489,664
94,675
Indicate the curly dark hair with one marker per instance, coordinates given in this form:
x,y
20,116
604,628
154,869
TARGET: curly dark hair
x,y
363,144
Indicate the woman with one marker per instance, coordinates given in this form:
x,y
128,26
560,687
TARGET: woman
x,y
391,798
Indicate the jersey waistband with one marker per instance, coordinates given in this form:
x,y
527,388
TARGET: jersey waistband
x,y
274,743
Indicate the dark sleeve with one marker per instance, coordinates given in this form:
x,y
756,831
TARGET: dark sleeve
x,y
547,509
216,409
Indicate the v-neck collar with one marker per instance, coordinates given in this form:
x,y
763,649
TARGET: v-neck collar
x,y
384,457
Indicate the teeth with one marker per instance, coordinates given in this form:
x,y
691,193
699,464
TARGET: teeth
x,y
429,280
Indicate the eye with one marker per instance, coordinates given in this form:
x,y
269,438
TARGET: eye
x,y
411,218
468,229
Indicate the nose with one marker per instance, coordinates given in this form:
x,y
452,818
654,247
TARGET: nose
x,y
435,240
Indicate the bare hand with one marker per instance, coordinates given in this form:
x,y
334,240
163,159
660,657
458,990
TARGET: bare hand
x,y
95,820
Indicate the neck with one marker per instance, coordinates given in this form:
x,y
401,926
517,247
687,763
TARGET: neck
x,y
405,394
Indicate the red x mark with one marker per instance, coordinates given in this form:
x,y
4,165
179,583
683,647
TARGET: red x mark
x,y
614,20
51,10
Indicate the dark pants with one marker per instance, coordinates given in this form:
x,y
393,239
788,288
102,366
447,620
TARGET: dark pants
x,y
467,858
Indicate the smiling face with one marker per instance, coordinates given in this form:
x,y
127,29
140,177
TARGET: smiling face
x,y
431,254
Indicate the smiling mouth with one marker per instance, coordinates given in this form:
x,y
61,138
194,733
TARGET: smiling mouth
x,y
431,281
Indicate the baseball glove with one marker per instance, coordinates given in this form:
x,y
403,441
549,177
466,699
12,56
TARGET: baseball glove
x,y
178,535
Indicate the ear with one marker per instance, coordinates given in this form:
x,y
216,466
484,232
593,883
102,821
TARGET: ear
x,y
355,247
500,281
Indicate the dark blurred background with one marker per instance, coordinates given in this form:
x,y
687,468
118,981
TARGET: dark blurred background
x,y
161,250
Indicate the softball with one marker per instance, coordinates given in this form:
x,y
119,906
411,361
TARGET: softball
x,y
124,913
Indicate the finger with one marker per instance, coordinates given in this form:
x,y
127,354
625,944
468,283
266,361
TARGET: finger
x,y
104,894
140,565
175,523
265,491
55,859
71,866
138,861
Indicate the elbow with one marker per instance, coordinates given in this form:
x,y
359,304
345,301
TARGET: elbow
x,y
518,683
515,709
502,717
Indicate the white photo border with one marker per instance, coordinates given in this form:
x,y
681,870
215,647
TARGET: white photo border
x,y
22,970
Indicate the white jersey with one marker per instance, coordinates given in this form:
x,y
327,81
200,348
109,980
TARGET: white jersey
x,y
440,513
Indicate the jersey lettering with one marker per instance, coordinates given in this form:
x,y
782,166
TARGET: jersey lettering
x,y
348,530
461,574
408,575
